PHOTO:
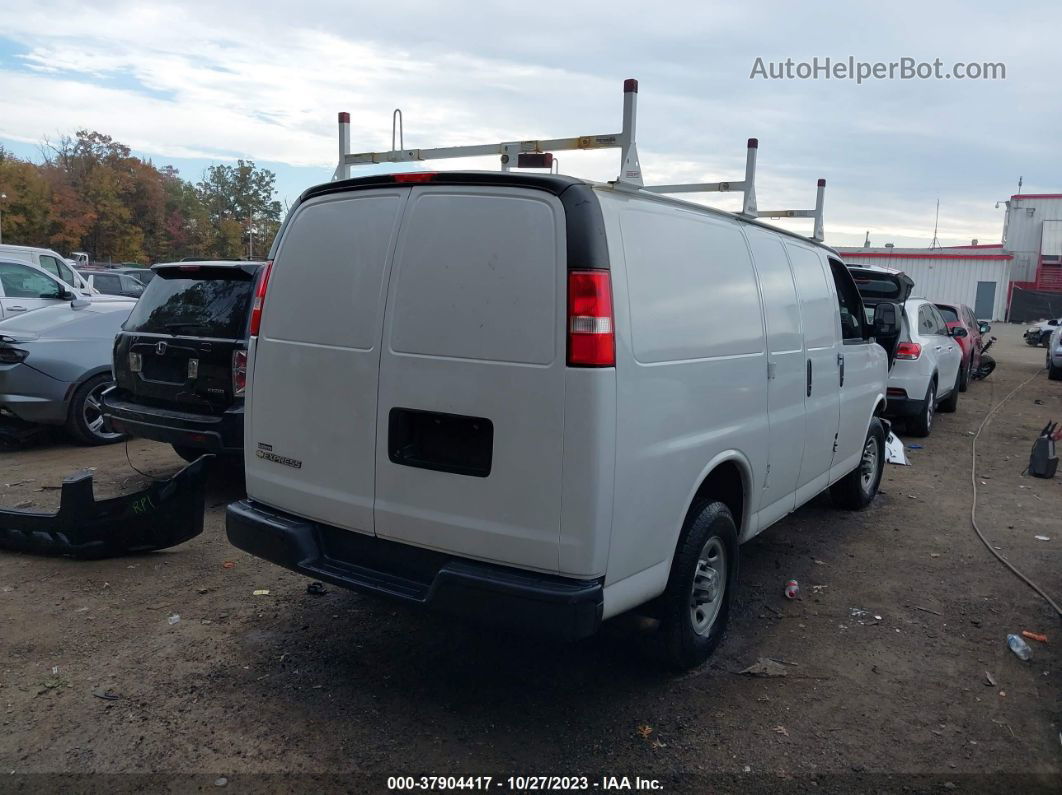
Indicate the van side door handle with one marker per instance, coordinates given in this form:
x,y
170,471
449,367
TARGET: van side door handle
x,y
809,377
840,365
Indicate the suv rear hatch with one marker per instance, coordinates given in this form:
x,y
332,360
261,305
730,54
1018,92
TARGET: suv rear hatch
x,y
177,348
880,284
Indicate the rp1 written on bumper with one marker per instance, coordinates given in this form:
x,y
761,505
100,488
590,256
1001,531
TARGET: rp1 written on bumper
x,y
166,513
541,604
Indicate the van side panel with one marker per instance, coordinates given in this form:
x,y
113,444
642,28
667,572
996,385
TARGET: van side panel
x,y
589,470
311,414
866,369
818,311
472,377
786,374
691,369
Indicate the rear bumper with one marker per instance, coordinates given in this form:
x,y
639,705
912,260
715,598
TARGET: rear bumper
x,y
33,396
542,604
903,407
213,433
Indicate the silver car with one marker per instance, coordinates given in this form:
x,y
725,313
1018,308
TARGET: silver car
x,y
55,362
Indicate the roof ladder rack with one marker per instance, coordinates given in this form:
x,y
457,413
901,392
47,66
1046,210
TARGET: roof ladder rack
x,y
539,154
746,186
816,213
525,154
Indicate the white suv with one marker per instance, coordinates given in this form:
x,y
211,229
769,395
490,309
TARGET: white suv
x,y
543,402
925,374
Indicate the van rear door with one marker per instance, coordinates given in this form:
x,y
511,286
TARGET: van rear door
x,y
310,444
472,372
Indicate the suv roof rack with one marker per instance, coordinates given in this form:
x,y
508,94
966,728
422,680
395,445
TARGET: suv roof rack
x,y
539,154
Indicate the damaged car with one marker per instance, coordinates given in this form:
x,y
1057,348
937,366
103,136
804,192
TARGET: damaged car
x,y
55,363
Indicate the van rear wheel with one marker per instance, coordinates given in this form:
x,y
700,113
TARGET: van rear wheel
x,y
696,605
856,490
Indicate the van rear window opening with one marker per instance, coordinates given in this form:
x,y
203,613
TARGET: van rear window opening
x,y
209,303
876,288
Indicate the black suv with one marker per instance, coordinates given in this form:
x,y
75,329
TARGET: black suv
x,y
180,360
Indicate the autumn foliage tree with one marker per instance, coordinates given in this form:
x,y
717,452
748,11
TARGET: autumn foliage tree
x,y
92,194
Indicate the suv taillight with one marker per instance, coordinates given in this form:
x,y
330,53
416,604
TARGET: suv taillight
x,y
908,350
259,299
239,372
591,331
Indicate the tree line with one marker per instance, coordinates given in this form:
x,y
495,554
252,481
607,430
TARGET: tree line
x,y
89,193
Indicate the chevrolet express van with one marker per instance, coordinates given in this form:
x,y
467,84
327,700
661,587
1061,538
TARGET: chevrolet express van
x,y
542,402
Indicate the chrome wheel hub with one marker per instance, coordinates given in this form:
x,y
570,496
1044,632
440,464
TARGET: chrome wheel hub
x,y
92,412
868,467
709,586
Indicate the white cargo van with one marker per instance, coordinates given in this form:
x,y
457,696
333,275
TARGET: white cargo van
x,y
543,402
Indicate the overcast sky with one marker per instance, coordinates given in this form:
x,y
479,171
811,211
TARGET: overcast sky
x,y
192,83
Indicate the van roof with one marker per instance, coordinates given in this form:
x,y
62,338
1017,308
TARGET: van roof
x,y
552,183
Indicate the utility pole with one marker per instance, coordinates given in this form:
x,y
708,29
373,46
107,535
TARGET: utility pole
x,y
3,198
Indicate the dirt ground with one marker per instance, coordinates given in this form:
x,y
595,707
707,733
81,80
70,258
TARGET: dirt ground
x,y
342,691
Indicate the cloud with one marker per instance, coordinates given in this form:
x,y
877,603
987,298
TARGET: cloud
x,y
264,80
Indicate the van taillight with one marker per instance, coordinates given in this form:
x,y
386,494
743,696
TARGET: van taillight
x,y
259,299
239,372
908,350
591,334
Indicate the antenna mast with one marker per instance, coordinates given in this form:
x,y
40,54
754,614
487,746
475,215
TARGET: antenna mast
x,y
936,222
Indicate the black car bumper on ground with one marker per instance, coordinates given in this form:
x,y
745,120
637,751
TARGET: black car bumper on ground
x,y
213,433
558,607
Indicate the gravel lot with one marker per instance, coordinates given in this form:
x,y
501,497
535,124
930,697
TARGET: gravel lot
x,y
348,690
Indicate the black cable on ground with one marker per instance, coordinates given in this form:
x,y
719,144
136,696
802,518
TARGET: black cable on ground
x,y
973,504
139,472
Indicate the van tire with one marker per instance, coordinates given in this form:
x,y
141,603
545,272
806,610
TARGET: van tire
x,y
709,532
84,421
949,404
856,490
922,425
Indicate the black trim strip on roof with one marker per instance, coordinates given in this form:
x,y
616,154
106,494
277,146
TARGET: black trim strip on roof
x,y
553,183
585,238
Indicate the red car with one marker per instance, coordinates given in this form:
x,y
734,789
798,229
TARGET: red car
x,y
961,316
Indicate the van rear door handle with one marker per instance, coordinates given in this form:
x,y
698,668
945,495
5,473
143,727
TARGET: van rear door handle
x,y
17,308
809,377
840,366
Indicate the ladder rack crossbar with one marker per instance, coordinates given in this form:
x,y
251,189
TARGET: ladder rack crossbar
x,y
610,141
699,187
786,213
